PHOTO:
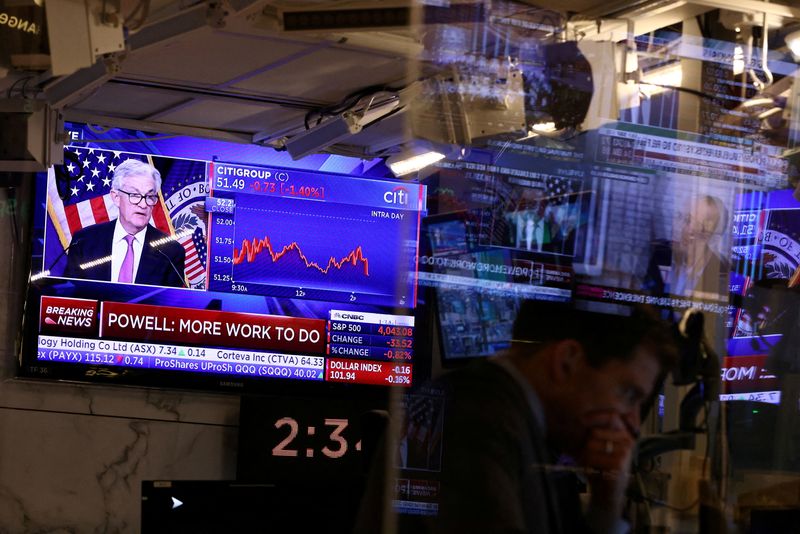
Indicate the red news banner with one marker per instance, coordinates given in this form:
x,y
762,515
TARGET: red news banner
x,y
142,322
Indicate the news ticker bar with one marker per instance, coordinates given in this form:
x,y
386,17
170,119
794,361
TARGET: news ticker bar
x,y
416,497
179,358
491,286
220,361
390,335
769,397
415,508
609,294
107,333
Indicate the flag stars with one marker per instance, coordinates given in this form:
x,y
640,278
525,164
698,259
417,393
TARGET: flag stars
x,y
101,158
111,167
106,181
90,186
95,173
74,191
71,168
85,163
91,151
116,153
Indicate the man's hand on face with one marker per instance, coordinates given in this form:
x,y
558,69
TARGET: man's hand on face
x,y
606,456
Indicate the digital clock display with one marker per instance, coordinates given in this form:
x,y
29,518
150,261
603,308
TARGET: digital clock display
x,y
301,437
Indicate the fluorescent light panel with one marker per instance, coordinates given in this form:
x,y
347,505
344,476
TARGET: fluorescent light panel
x,y
793,42
671,76
544,127
402,166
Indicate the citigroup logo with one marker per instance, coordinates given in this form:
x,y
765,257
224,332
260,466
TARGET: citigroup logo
x,y
397,196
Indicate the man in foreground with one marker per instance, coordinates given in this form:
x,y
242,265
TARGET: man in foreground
x,y
129,249
565,399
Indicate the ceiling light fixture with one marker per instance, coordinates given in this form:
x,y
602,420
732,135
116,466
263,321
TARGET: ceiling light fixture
x,y
544,127
738,60
793,42
770,112
759,101
659,80
412,160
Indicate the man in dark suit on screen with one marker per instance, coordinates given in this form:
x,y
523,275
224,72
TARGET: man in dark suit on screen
x,y
129,249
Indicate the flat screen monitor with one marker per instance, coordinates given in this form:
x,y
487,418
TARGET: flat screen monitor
x,y
244,275
211,506
762,325
502,230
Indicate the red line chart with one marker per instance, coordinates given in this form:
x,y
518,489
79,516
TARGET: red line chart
x,y
252,248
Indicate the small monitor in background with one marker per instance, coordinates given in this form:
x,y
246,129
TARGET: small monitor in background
x,y
217,506
474,324
776,520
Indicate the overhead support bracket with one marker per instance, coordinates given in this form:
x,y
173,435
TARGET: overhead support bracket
x,y
75,87
153,126
751,6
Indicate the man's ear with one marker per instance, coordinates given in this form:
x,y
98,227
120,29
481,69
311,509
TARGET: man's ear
x,y
115,197
567,356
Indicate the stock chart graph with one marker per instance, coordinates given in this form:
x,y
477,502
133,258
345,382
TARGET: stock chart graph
x,y
251,249
308,248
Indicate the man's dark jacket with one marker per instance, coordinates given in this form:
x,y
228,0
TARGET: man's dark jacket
x,y
95,242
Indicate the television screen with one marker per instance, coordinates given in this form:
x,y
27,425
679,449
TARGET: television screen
x,y
625,214
238,274
766,237
210,506
503,228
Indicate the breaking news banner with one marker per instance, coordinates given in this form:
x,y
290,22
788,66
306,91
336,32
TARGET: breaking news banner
x,y
60,315
747,374
143,322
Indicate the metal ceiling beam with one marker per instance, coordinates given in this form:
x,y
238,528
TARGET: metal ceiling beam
x,y
640,8
752,6
185,21
649,15
661,16
620,9
71,89
152,126
221,95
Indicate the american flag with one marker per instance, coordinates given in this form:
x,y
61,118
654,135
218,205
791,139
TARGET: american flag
x,y
424,431
184,193
195,245
78,191
558,188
